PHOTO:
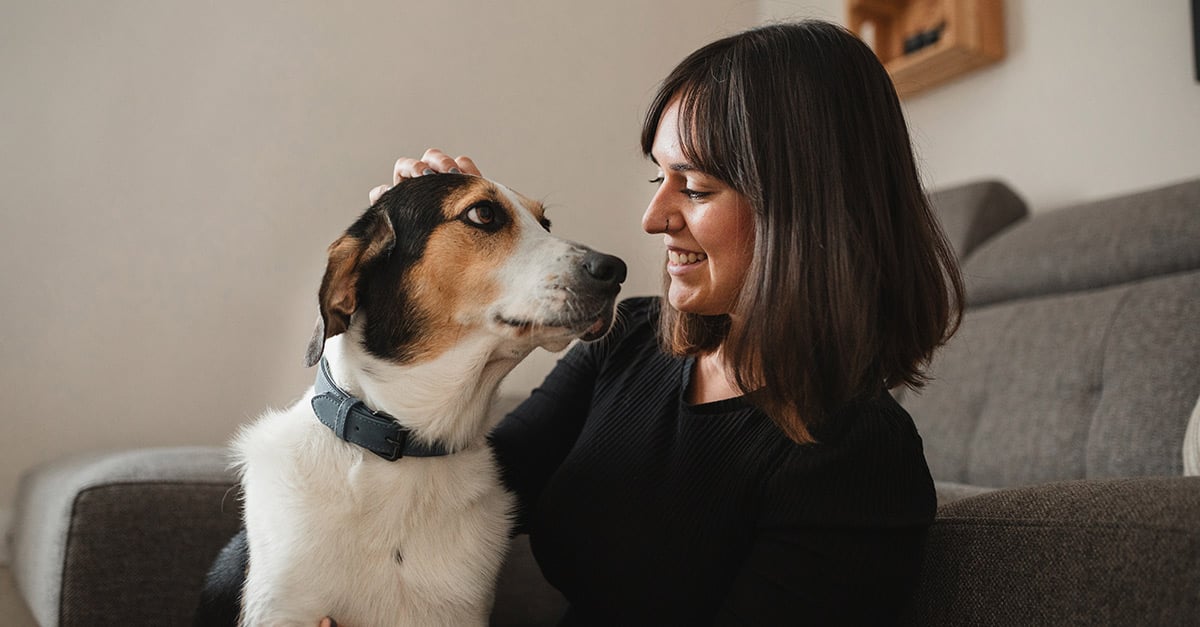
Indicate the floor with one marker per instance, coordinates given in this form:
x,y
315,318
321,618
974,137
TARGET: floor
x,y
12,607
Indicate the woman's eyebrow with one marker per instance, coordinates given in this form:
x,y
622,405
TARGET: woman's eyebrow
x,y
676,167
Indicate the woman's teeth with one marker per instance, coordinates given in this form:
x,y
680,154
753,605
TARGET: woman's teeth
x,y
683,259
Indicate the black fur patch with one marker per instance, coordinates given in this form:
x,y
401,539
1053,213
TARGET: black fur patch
x,y
220,600
415,209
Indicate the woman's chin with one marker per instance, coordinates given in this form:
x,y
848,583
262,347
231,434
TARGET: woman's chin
x,y
678,299
691,302
688,302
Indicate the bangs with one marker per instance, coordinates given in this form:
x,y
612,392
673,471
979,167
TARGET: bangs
x,y
708,103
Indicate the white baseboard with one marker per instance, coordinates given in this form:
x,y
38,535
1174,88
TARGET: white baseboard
x,y
5,540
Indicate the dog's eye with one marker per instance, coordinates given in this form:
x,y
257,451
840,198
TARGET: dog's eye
x,y
484,215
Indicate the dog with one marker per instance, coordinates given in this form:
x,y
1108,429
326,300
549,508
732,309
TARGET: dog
x,y
375,499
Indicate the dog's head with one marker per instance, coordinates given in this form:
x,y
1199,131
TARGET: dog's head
x,y
442,256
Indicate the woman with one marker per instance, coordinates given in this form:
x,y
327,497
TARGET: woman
x,y
730,453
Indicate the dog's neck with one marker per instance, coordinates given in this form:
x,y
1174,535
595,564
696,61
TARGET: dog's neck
x,y
445,399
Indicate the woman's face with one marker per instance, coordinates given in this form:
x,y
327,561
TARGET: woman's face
x,y
706,225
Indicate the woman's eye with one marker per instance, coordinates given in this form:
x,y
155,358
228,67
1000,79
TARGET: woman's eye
x,y
657,180
693,194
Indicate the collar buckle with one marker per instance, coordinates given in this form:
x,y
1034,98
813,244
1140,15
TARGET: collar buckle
x,y
398,442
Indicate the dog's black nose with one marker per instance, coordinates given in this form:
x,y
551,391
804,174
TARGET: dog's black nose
x,y
604,268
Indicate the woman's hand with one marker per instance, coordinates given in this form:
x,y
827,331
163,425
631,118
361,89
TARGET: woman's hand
x,y
328,622
434,161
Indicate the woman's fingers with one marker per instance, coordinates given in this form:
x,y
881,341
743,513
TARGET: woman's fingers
x,y
409,168
467,165
377,192
440,161
434,161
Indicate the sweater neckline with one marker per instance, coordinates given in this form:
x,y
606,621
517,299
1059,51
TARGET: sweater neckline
x,y
723,406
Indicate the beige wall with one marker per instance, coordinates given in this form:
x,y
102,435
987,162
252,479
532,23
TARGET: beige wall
x,y
1094,98
172,173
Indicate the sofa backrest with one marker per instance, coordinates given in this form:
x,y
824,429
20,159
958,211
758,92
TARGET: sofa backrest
x,y
972,213
1079,354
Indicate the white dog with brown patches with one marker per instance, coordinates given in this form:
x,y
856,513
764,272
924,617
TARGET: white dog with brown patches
x,y
375,499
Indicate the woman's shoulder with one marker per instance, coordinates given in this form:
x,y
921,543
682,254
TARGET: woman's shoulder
x,y
868,464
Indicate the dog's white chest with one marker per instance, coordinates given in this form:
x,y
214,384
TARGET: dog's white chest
x,y
335,530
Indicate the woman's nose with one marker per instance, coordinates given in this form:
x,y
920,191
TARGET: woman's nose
x,y
657,218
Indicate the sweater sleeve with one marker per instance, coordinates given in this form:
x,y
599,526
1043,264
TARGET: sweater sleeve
x,y
532,441
840,532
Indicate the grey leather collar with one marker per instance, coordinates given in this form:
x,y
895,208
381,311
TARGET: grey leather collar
x,y
351,421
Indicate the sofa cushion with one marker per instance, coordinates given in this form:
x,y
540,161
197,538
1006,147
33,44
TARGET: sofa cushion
x,y
1089,246
1084,385
1116,552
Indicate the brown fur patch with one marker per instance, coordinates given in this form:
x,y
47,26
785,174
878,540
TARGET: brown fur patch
x,y
338,296
456,278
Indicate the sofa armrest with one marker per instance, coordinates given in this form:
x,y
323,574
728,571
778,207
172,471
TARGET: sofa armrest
x,y
121,537
1107,552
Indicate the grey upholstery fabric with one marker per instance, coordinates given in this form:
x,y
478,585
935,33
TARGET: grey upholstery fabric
x,y
1117,552
974,212
136,554
949,491
1079,355
1086,385
64,505
523,597
1096,244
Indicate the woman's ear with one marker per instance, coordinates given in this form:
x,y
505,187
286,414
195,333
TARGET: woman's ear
x,y
367,239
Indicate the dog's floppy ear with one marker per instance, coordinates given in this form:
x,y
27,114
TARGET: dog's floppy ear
x,y
368,238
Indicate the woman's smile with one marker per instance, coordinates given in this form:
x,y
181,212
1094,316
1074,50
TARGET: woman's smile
x,y
680,261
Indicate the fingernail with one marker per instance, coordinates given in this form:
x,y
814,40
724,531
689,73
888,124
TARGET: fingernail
x,y
455,171
425,172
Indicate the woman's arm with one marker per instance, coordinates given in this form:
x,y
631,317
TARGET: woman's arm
x,y
533,439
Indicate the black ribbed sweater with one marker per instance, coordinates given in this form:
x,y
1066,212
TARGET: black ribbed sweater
x,y
644,510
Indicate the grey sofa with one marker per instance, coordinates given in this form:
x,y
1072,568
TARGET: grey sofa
x,y
1057,428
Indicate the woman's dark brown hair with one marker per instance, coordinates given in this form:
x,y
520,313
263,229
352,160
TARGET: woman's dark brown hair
x,y
852,285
